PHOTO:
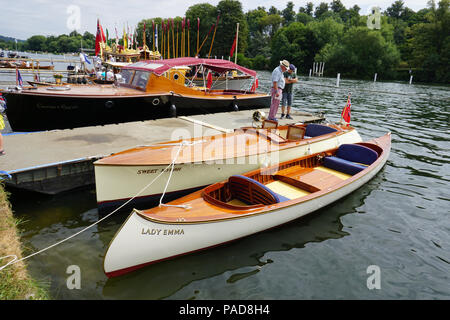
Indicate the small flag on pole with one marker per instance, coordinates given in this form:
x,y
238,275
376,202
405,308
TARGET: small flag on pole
x,y
19,80
255,85
233,46
210,81
346,112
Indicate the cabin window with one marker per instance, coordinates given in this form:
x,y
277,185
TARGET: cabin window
x,y
140,79
127,76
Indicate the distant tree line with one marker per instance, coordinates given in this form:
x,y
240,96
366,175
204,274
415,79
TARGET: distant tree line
x,y
406,42
56,44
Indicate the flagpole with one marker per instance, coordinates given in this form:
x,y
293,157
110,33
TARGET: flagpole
x,y
237,39
198,51
173,39
189,51
176,48
198,33
214,35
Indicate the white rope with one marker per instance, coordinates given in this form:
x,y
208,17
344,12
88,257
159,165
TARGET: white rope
x,y
15,258
167,183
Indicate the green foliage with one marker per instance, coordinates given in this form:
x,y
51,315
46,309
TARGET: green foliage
x,y
360,54
327,32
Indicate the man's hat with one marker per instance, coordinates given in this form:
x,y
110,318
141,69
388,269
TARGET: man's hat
x,y
285,64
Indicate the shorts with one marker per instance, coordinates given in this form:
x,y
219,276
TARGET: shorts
x,y
286,99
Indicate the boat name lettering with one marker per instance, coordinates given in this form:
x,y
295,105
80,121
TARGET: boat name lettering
x,y
149,171
62,106
163,232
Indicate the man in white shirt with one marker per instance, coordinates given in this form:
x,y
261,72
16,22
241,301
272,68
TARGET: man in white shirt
x,y
277,88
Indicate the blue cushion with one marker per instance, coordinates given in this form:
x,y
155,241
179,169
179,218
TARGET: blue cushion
x,y
314,130
278,197
357,153
343,165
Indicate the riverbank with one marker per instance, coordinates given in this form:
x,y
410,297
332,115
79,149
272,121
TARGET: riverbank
x,y
15,282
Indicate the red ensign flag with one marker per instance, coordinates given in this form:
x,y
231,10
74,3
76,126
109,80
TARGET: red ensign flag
x,y
346,113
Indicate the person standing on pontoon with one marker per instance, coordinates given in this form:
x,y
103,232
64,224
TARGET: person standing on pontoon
x,y
277,88
290,77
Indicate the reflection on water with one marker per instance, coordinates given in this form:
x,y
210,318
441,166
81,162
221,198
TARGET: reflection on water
x,y
397,221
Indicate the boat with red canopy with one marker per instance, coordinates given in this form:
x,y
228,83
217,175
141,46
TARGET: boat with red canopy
x,y
143,90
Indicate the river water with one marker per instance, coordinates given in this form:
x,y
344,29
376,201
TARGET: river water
x,y
397,223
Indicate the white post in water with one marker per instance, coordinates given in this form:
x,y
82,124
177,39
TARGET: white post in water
x,y
323,67
337,80
310,70
375,77
410,79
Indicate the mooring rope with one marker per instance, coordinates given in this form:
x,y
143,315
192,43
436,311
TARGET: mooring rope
x,y
15,258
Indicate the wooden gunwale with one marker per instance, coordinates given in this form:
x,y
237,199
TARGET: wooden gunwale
x,y
221,213
164,157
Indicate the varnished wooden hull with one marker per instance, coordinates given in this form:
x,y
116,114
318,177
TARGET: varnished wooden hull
x,y
116,184
223,103
146,239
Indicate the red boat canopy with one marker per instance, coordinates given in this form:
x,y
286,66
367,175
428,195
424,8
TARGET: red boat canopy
x,y
160,66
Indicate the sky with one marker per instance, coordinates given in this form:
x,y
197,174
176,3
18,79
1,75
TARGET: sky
x,y
25,18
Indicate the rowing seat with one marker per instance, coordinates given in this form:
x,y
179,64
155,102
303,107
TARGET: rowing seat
x,y
315,130
351,159
252,192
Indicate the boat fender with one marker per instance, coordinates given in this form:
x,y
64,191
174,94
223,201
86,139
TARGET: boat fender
x,y
173,111
234,105
109,104
155,101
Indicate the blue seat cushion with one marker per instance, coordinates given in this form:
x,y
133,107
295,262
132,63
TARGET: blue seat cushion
x,y
357,153
314,130
342,165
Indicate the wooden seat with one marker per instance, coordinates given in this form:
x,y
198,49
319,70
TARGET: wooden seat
x,y
269,124
295,133
251,191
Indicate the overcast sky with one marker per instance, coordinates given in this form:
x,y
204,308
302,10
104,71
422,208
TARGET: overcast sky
x,y
24,18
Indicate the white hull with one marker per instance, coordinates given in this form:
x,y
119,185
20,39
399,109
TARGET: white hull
x,y
120,182
140,241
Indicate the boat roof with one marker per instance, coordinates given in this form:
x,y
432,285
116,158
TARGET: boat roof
x,y
160,66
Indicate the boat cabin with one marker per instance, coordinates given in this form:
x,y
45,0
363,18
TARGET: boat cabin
x,y
178,74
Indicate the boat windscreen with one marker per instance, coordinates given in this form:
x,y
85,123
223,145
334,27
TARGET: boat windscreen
x,y
140,79
127,76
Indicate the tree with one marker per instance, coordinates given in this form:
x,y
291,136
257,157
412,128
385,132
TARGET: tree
x,y
230,14
308,9
208,16
288,13
36,43
321,9
295,43
396,9
360,53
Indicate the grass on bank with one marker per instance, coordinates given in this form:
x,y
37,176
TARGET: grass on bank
x,y
15,282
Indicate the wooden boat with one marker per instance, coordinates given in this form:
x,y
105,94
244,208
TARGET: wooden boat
x,y
243,205
205,160
147,90
13,64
